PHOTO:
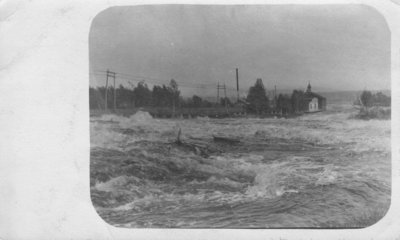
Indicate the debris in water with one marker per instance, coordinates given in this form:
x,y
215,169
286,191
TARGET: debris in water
x,y
199,147
225,139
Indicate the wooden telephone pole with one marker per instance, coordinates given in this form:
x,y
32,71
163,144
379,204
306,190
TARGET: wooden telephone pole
x,y
222,87
111,75
237,83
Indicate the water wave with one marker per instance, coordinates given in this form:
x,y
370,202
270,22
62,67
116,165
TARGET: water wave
x,y
319,170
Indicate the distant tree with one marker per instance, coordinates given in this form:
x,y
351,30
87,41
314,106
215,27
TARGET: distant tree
x,y
174,94
298,101
96,100
197,101
226,101
101,92
284,104
207,104
380,99
142,95
157,96
125,98
257,98
366,98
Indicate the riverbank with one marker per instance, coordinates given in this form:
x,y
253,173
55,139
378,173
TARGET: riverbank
x,y
187,113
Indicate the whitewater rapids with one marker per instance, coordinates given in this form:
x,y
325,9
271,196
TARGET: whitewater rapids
x,y
320,170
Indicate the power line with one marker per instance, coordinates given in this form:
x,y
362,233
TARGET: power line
x,y
153,80
112,75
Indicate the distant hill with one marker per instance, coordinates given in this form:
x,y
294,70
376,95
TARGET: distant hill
x,y
346,96
341,96
331,96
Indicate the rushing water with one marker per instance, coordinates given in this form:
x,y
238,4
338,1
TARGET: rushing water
x,y
322,170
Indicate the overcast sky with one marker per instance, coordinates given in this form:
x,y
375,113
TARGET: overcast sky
x,y
335,47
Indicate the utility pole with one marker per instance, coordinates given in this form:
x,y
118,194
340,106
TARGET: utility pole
x,y
220,87
237,83
112,75
115,94
218,93
226,99
105,97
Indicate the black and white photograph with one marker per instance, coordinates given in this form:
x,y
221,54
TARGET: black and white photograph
x,y
240,116
158,119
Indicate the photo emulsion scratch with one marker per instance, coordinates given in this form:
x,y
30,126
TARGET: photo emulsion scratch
x,y
240,116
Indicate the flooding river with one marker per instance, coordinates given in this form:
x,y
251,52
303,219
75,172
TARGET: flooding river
x,y
321,170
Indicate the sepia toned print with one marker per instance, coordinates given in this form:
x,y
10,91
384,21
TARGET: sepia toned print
x,y
240,116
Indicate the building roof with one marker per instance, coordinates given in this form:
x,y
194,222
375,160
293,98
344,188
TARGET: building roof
x,y
313,95
309,94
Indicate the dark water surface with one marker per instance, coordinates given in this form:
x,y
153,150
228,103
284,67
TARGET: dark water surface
x,y
322,170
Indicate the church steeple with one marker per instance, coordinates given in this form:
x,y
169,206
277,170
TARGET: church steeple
x,y
309,87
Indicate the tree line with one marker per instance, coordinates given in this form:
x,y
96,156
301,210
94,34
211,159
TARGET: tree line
x,y
259,103
169,96
373,106
369,99
163,96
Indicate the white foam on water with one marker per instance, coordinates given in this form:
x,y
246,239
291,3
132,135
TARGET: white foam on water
x,y
203,118
328,176
110,118
118,183
103,136
266,184
112,184
293,173
138,119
